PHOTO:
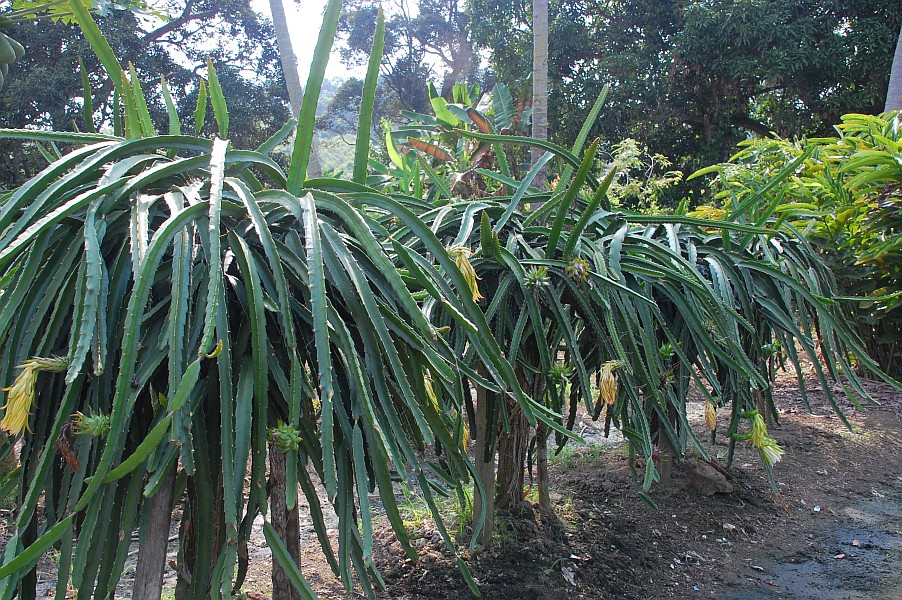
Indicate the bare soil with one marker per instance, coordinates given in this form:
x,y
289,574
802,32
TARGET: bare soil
x,y
833,531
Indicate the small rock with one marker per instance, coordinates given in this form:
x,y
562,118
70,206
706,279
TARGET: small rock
x,y
705,478
569,575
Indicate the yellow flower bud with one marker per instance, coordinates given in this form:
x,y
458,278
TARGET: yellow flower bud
x,y
758,432
770,451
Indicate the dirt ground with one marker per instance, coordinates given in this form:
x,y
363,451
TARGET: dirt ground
x,y
834,530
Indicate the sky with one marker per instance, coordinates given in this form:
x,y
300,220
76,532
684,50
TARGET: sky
x,y
305,18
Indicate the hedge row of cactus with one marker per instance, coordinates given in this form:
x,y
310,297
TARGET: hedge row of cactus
x,y
174,309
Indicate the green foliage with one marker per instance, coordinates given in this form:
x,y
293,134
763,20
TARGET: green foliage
x,y
845,196
691,79
258,106
210,303
603,288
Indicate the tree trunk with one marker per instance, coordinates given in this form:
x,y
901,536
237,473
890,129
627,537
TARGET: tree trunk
x,y
461,66
292,75
894,92
286,524
539,79
485,469
512,447
152,553
542,465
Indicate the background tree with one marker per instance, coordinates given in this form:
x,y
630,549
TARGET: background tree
x,y
289,62
690,79
423,42
894,92
539,78
340,109
45,90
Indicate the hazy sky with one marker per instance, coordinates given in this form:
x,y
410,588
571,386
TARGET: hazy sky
x,y
305,18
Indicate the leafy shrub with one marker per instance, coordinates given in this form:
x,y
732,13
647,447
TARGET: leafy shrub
x,y
844,194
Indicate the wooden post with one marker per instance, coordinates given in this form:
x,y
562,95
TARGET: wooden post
x,y
542,465
761,405
485,470
152,553
286,524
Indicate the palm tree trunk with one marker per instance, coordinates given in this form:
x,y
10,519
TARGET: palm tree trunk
x,y
292,75
894,92
539,78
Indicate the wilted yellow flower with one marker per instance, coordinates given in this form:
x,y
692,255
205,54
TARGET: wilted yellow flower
x,y
217,350
607,389
20,395
461,256
464,436
19,401
710,416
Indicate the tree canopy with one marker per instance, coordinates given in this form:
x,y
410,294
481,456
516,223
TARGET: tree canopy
x,y
431,42
44,89
691,79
